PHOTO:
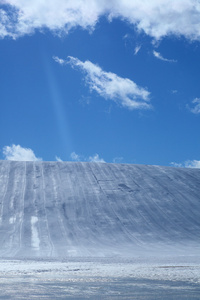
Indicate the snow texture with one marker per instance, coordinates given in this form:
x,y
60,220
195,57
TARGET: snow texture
x,y
74,209
101,278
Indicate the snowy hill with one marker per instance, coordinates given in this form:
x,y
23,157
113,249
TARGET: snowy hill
x,y
64,209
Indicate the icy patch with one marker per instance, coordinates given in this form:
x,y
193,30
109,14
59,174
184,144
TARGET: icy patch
x,y
35,241
185,269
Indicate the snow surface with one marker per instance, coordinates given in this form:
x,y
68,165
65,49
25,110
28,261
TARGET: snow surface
x,y
74,209
99,231
102,278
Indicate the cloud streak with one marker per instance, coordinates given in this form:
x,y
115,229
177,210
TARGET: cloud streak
x,y
58,159
157,18
110,86
159,56
18,153
137,49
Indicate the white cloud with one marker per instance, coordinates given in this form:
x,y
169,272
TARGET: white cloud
x,y
192,164
196,106
58,159
59,60
159,56
18,153
157,18
75,156
187,164
110,86
20,17
137,49
95,158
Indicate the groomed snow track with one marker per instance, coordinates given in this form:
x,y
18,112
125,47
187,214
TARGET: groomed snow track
x,y
74,209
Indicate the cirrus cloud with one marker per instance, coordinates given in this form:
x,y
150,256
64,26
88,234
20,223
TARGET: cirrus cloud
x,y
159,56
109,85
157,18
137,49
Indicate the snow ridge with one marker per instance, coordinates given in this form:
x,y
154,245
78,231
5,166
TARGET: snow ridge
x,y
65,209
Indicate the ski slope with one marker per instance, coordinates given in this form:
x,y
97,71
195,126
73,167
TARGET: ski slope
x,y
74,209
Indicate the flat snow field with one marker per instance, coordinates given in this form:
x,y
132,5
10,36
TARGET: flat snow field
x,y
107,278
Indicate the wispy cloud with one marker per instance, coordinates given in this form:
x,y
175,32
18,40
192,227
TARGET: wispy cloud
x,y
18,153
174,91
157,18
187,164
137,49
118,160
95,158
195,108
59,60
109,85
159,56
58,159
177,165
74,156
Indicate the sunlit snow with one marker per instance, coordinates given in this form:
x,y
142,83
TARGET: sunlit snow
x,y
98,226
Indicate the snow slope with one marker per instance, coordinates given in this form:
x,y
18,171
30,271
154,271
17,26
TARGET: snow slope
x,y
74,209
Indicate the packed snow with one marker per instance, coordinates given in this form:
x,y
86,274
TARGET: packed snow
x,y
52,209
83,230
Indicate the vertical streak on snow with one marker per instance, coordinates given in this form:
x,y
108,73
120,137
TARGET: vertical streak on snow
x,y
64,195
22,207
91,209
47,224
35,241
4,191
34,219
57,200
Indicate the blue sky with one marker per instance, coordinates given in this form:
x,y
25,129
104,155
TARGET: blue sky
x,y
98,81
